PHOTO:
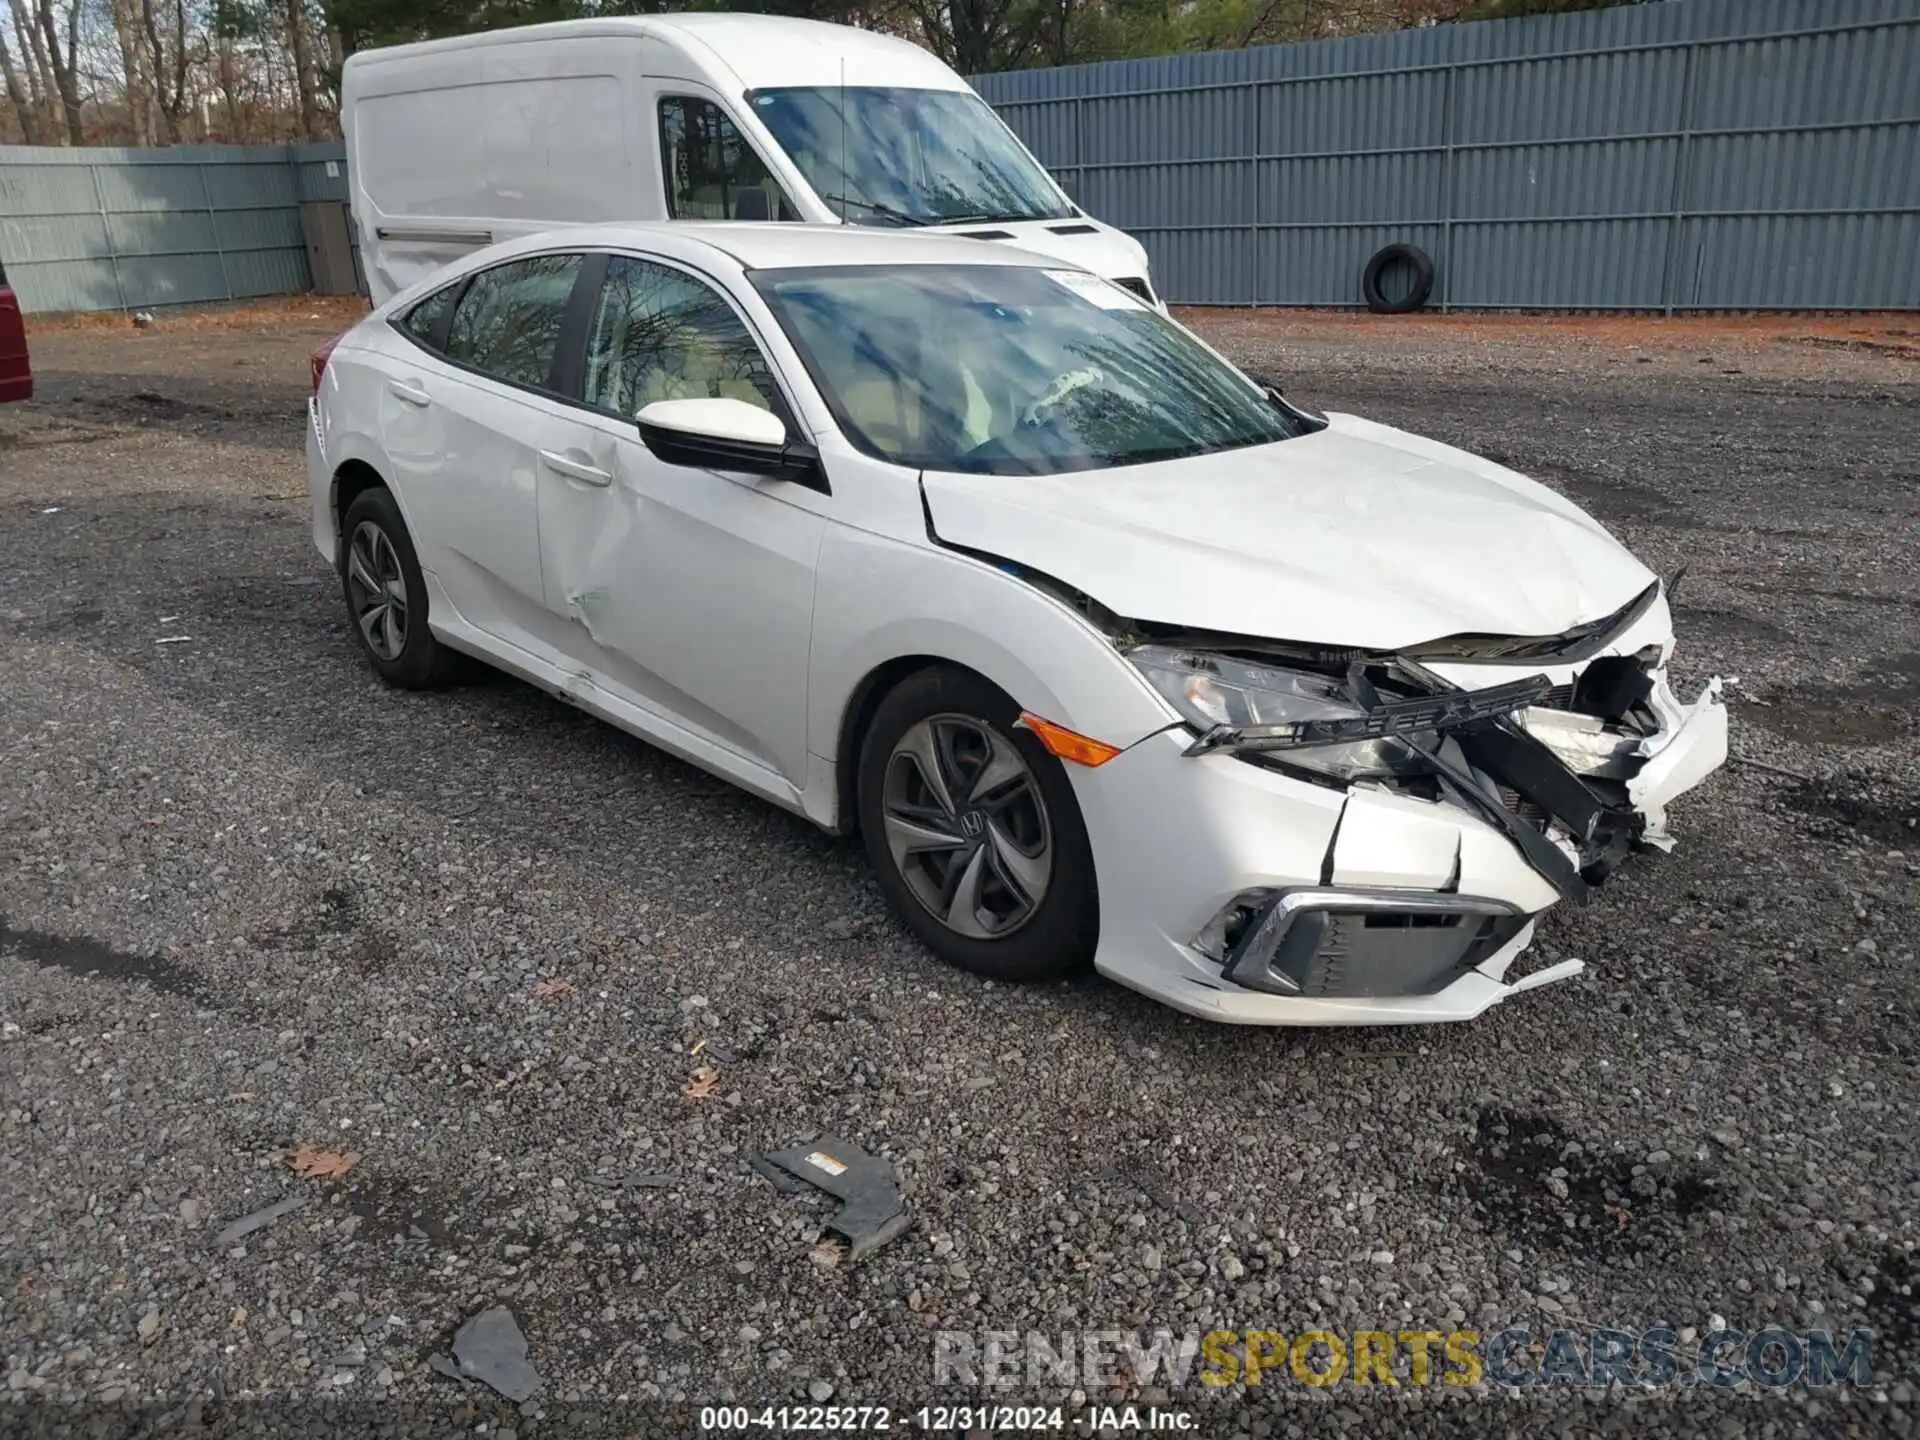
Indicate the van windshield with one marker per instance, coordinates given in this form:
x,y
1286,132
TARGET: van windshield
x,y
876,155
1005,370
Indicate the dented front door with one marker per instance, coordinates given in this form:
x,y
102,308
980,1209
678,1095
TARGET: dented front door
x,y
686,591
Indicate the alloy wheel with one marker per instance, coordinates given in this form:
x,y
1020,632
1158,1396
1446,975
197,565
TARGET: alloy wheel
x,y
377,590
967,826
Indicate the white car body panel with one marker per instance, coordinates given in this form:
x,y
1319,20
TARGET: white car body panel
x,y
632,568
457,143
738,622
1347,537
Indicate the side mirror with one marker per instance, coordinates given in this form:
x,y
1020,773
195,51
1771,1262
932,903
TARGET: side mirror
x,y
728,434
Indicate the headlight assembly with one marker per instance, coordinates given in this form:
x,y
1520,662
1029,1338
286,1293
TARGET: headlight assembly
x,y
1306,716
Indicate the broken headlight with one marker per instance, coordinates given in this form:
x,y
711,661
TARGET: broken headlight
x,y
1213,690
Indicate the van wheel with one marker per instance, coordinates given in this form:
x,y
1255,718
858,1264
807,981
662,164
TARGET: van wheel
x,y
387,597
974,832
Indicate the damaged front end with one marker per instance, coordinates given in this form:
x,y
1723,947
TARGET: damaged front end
x,y
1574,764
1556,766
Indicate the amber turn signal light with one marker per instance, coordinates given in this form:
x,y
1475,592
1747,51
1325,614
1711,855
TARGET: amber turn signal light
x,y
1066,744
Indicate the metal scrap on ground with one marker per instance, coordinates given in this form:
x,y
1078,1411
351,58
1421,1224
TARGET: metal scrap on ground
x,y
634,1180
237,1230
490,1348
872,1209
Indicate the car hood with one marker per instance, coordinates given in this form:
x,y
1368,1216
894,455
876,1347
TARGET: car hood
x,y
1357,535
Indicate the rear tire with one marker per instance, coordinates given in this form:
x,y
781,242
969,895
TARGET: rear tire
x,y
987,860
387,597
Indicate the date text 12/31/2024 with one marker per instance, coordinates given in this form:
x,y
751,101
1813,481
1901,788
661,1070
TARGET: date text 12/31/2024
x,y
946,1419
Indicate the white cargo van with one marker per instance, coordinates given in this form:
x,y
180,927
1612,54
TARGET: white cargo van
x,y
453,144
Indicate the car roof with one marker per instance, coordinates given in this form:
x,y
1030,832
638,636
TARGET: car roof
x,y
790,246
761,50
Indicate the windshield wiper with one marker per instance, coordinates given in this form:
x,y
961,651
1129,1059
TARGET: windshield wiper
x,y
987,219
885,212
902,218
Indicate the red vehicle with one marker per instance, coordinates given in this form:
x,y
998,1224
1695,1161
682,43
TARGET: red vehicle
x,y
16,372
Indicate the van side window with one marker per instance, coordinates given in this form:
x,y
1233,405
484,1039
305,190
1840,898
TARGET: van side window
x,y
425,321
711,172
660,334
508,323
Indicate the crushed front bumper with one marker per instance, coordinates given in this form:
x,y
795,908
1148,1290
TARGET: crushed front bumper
x,y
1378,907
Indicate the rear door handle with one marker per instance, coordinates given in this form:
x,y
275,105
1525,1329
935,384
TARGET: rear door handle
x,y
574,470
412,394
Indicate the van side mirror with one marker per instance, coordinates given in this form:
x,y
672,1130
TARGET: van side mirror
x,y
722,433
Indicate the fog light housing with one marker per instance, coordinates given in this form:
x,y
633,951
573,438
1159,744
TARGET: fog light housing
x,y
1223,933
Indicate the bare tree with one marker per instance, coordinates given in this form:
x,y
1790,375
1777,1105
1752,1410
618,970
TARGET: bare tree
x,y
169,71
60,60
25,105
39,74
135,90
305,74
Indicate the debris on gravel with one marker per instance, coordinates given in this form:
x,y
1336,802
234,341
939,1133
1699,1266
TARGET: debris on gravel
x,y
237,1230
872,1210
489,1348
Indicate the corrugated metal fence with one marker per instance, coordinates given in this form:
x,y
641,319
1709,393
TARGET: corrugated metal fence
x,y
1687,155
111,229
1691,155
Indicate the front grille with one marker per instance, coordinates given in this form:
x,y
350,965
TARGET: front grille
x,y
1138,286
1336,954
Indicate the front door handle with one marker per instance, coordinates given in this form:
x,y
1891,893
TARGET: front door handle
x,y
575,470
412,394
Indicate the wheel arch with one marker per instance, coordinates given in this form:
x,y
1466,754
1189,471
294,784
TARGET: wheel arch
x,y
857,718
351,480
884,609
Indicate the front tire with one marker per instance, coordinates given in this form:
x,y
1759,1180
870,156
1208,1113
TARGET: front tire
x,y
387,597
974,832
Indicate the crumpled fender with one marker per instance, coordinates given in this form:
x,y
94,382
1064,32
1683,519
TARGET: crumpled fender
x,y
1691,745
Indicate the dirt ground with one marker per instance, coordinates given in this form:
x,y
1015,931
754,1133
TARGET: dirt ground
x,y
252,901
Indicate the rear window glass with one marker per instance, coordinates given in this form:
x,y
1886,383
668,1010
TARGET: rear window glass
x,y
423,321
508,323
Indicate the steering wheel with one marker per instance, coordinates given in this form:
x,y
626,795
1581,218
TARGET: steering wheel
x,y
1042,408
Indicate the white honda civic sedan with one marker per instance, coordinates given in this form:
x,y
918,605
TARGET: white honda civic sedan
x,y
1111,656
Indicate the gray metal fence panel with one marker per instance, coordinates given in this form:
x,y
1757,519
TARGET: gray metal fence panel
x,y
1694,154
320,173
320,170
105,229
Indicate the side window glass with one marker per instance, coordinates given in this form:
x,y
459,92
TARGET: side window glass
x,y
660,334
508,323
423,321
711,172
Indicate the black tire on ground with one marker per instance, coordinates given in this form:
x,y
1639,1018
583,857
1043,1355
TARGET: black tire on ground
x,y
1411,255
1060,936
422,663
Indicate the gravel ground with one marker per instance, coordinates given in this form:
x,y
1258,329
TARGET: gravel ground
x,y
254,901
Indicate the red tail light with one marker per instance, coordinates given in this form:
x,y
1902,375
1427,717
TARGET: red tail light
x,y
318,360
